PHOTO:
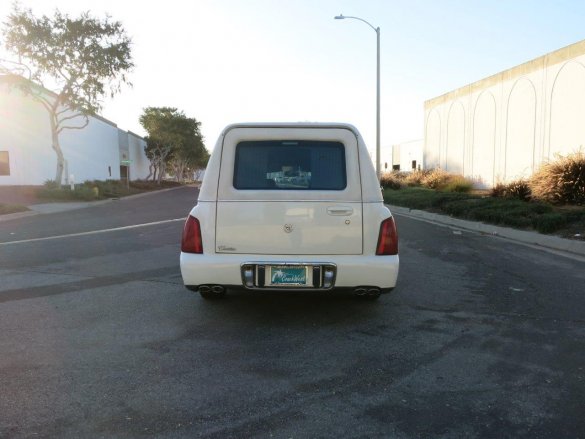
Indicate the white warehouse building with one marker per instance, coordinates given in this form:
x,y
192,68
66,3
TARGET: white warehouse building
x,y
404,157
503,127
100,151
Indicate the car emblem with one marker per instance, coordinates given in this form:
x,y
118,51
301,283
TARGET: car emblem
x,y
288,228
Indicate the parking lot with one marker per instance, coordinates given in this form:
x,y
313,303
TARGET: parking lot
x,y
98,338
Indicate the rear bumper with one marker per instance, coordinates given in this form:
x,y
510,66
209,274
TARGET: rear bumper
x,y
195,288
352,271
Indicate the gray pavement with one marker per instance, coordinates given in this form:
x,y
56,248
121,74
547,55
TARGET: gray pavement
x,y
44,208
47,208
482,338
550,242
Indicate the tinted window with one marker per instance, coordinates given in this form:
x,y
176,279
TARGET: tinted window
x,y
285,165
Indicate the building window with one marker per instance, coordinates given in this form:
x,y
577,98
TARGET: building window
x,y
385,165
414,164
4,163
396,167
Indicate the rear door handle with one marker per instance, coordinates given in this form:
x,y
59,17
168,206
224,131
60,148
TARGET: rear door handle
x,y
340,211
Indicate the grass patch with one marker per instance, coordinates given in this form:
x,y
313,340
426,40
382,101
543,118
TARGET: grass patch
x,y
99,190
81,193
11,208
421,198
542,217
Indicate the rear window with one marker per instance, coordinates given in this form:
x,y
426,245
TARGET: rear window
x,y
291,164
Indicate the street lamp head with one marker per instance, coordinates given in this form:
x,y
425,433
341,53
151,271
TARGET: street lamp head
x,y
377,30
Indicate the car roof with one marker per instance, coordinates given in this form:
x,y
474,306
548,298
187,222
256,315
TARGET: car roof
x,y
342,125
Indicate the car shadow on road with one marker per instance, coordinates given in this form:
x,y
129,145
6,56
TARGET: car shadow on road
x,y
289,308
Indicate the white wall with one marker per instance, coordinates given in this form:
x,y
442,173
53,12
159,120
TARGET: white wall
x,y
91,153
503,127
386,158
25,134
407,152
139,162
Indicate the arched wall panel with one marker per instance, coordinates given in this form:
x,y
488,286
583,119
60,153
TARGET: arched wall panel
x,y
455,139
567,110
484,140
520,130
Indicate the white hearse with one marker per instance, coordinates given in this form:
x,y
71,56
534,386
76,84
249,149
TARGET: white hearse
x,y
287,206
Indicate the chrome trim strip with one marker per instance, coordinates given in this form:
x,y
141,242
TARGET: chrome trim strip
x,y
292,200
331,264
327,280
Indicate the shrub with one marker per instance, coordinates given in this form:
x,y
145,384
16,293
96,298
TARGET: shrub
x,y
81,192
457,183
435,179
111,188
561,181
499,190
415,178
517,189
51,184
536,215
390,180
84,192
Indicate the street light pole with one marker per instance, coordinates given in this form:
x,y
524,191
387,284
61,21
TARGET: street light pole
x,y
377,30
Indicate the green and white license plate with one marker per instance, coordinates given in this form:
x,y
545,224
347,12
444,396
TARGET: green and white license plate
x,y
287,275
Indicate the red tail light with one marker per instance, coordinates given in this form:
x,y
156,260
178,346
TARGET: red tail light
x,y
388,238
191,242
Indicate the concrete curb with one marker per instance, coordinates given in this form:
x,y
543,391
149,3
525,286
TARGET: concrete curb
x,y
17,215
145,194
531,238
46,208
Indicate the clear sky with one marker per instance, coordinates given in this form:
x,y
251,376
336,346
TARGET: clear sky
x,y
225,61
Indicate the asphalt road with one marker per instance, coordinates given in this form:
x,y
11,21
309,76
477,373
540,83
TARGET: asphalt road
x,y
98,338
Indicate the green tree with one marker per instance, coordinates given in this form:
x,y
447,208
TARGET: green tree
x,y
173,140
190,153
81,59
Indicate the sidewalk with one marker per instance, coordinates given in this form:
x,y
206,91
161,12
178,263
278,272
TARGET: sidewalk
x,y
549,242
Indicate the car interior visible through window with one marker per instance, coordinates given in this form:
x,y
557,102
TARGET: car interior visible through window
x,y
286,165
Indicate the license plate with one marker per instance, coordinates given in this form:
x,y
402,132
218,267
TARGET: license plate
x,y
288,275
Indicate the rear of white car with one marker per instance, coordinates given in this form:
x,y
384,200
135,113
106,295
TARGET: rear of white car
x,y
290,206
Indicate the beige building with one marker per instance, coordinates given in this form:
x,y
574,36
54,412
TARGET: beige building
x,y
503,127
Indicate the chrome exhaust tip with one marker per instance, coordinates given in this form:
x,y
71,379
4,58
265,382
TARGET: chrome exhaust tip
x,y
217,289
360,291
204,289
373,292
